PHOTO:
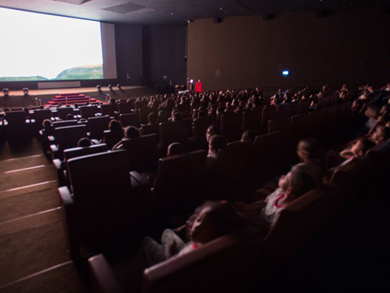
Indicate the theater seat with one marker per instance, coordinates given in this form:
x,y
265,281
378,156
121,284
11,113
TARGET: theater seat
x,y
88,111
223,265
231,126
65,138
129,119
17,126
142,153
111,138
71,153
200,128
62,112
172,132
97,126
98,214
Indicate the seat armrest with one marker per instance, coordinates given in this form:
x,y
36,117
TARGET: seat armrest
x,y
138,179
57,163
103,278
41,133
51,138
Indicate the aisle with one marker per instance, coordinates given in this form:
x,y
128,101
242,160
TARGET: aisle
x,y
33,255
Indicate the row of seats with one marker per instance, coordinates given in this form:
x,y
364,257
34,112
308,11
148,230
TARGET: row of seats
x,y
228,262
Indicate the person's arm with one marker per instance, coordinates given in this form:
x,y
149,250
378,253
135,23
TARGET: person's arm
x,y
118,146
346,154
243,207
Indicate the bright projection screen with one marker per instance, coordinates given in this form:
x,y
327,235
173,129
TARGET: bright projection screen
x,y
41,47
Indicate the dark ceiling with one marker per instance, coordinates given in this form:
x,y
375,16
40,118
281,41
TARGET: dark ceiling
x,y
178,12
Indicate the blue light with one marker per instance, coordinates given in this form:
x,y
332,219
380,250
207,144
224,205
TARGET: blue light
x,y
285,72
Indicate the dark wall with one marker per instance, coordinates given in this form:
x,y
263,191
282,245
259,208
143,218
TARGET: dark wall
x,y
351,46
164,50
129,53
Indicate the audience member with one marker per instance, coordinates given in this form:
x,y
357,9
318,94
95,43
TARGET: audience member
x,y
175,149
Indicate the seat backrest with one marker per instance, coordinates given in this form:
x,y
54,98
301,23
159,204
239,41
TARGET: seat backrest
x,y
83,151
16,118
97,125
149,129
64,123
280,124
231,126
111,138
124,108
88,111
284,111
40,115
173,132
268,149
101,190
67,137
302,217
200,128
107,109
143,111
62,112
142,153
129,119
207,268
269,112
303,125
251,120
181,175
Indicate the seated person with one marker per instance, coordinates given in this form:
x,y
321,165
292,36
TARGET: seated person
x,y
216,143
116,133
47,128
248,136
152,119
359,148
84,142
175,149
129,133
212,130
264,214
311,154
70,117
210,221
381,133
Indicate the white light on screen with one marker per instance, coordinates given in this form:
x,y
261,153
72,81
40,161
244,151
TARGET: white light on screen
x,y
285,72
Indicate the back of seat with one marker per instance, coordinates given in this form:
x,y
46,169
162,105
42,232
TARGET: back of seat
x,y
97,125
223,265
231,126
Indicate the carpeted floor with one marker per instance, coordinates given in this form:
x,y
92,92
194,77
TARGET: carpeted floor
x,y
33,251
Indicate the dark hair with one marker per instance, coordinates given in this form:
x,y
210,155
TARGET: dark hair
x,y
214,130
84,142
152,118
131,132
248,136
218,142
115,125
46,123
366,145
69,117
311,149
303,182
174,149
223,218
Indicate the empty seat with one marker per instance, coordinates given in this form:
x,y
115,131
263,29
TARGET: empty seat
x,y
61,166
284,111
88,111
98,212
130,119
149,129
39,116
67,137
97,126
17,126
143,111
269,112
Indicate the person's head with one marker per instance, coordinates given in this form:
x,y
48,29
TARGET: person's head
x,y
69,117
174,149
309,149
296,183
248,136
176,117
381,133
361,147
152,118
46,123
131,132
212,130
84,142
385,110
162,113
212,220
217,142
112,101
115,125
